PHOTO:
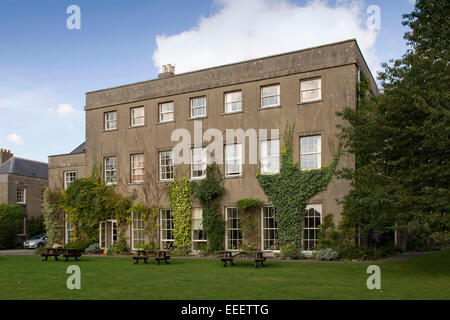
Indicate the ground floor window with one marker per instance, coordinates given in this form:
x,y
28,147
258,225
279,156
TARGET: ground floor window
x,y
234,232
114,232
69,230
312,220
137,230
269,229
102,234
198,235
166,224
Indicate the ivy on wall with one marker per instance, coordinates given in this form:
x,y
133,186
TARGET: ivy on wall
x,y
291,189
208,192
248,209
53,214
180,197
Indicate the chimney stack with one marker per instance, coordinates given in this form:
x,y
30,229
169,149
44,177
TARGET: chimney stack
x,y
5,155
166,71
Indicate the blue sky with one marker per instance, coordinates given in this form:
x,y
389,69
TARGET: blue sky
x,y
45,68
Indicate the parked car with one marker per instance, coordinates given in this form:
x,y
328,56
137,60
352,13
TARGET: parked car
x,y
36,242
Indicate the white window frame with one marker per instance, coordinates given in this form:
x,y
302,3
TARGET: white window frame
x,y
69,229
232,103
134,168
271,156
163,221
137,230
236,229
66,181
112,171
318,208
102,235
24,195
263,106
109,122
232,158
134,118
192,107
318,89
163,113
263,228
203,162
114,231
162,166
318,153
197,218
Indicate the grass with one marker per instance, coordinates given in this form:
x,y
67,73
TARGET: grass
x,y
27,277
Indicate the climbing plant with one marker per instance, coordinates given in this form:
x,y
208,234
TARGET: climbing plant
x,y
291,189
247,214
149,215
208,192
180,197
53,214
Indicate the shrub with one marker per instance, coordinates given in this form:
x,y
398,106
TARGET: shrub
x,y
93,248
289,251
11,219
36,226
365,253
120,247
79,244
326,254
53,216
148,246
185,251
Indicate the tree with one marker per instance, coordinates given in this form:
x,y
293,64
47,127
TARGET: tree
x,y
401,138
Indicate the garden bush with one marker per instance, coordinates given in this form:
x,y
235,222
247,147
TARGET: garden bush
x,y
93,248
148,246
121,247
79,244
289,251
11,219
326,254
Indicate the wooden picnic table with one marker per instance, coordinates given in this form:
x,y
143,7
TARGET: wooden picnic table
x,y
229,256
147,254
71,253
51,252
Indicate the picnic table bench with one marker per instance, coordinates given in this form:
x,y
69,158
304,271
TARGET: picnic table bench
x,y
51,252
65,252
227,256
158,255
71,253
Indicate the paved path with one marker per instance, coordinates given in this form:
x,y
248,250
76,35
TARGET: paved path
x,y
14,252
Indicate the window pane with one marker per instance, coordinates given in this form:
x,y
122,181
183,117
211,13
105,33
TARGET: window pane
x,y
233,159
270,156
310,90
270,96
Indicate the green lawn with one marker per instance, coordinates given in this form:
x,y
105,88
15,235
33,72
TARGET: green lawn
x,y
27,277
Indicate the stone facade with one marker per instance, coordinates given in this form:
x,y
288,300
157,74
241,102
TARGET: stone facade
x,y
337,65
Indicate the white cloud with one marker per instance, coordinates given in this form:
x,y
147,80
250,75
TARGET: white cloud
x,y
249,29
65,109
15,138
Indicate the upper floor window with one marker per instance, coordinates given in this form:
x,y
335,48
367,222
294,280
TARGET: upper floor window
x,y
69,177
166,112
137,116
198,163
137,167
310,152
233,102
110,120
21,195
310,90
166,165
233,160
270,157
111,170
270,96
198,107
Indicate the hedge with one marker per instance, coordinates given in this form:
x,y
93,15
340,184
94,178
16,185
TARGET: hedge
x,y
11,220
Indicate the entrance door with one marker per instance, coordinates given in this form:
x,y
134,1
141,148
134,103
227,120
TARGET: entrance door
x,y
108,233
